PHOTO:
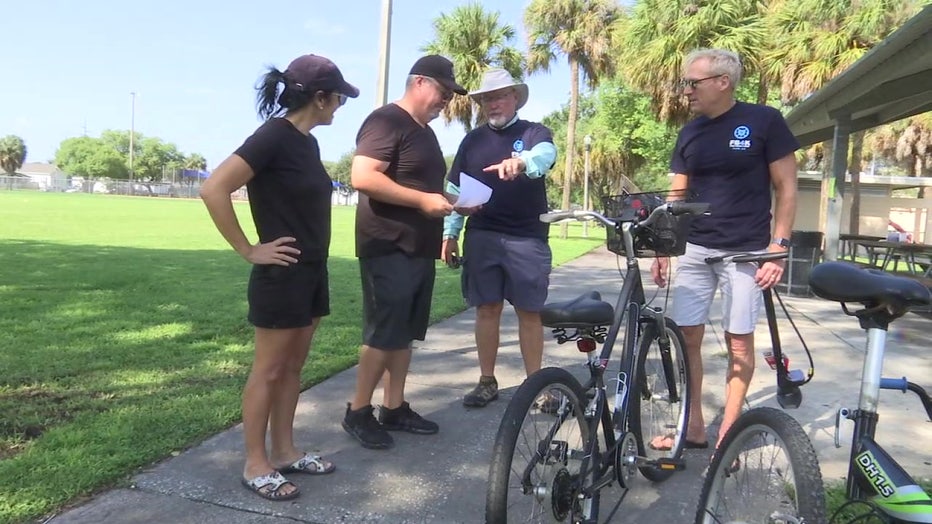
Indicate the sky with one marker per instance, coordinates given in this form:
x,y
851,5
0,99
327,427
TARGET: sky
x,y
193,66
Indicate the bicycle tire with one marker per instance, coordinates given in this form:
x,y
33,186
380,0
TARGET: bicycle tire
x,y
805,501
520,409
680,364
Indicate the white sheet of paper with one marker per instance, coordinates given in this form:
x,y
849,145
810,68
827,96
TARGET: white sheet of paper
x,y
472,192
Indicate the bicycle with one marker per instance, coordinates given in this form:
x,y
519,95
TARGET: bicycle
x,y
766,470
559,443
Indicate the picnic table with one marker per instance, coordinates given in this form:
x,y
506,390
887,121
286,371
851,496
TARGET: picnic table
x,y
881,253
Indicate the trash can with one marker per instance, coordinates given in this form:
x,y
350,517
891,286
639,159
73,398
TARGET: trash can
x,y
805,253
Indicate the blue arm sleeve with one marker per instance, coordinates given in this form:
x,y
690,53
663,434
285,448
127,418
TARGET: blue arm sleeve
x,y
539,159
452,223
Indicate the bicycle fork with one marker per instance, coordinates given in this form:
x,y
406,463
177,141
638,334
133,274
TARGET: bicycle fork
x,y
872,471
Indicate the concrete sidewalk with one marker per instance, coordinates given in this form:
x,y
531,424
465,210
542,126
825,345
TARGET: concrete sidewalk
x,y
442,478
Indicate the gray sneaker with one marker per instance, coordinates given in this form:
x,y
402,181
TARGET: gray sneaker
x,y
485,391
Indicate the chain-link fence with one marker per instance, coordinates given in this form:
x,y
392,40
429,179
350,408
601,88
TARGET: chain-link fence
x,y
342,195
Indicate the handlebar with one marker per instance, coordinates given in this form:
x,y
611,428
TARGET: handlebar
x,y
674,208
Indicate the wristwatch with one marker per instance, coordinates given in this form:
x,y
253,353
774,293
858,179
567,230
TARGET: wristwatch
x,y
782,242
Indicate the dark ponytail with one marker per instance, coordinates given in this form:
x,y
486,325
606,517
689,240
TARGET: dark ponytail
x,y
270,102
267,93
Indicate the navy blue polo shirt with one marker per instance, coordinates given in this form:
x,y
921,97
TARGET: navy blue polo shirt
x,y
516,205
727,163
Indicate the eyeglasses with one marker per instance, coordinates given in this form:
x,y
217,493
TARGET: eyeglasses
x,y
341,98
445,93
685,82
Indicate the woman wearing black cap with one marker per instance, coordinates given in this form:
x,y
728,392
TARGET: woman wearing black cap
x,y
289,196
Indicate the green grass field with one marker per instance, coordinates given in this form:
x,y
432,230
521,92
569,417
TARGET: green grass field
x,y
123,336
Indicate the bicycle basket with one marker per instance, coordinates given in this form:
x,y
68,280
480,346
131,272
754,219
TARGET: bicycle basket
x,y
665,238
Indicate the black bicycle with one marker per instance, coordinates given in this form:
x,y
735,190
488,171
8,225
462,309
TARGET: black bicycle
x,y
560,443
766,471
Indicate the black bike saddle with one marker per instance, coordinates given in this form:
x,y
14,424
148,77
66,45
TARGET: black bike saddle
x,y
586,310
844,282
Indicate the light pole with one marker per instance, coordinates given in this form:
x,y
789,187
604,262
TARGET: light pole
x,y
587,142
132,132
381,94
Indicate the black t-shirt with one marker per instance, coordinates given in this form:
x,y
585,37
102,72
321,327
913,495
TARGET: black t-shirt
x,y
415,160
516,205
727,162
290,192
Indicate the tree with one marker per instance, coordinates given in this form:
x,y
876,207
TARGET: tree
x,y
630,148
90,157
12,153
108,156
579,30
653,41
814,41
474,40
340,170
909,144
195,161
155,159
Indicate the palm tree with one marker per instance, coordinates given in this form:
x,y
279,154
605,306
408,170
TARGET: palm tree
x,y
652,42
816,40
581,31
907,144
474,40
195,161
12,153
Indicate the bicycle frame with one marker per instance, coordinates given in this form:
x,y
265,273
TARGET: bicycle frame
x,y
630,311
872,473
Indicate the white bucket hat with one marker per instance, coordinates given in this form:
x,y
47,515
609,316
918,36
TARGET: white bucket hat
x,y
495,79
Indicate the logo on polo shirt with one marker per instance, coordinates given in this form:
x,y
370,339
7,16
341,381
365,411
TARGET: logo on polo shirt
x,y
741,142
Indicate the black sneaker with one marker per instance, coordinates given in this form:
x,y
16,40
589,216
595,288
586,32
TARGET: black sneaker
x,y
403,418
485,391
367,430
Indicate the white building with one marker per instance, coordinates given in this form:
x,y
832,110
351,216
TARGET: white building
x,y
46,176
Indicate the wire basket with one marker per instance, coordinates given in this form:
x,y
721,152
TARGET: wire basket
x,y
666,237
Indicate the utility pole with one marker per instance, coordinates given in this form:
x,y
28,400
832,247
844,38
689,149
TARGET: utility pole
x,y
587,142
132,133
385,39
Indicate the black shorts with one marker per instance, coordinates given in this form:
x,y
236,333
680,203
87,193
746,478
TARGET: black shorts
x,y
396,295
285,297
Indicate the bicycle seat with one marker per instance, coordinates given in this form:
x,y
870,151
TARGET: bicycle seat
x,y
844,282
586,310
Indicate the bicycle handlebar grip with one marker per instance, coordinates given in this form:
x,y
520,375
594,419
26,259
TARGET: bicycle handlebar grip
x,y
556,216
691,208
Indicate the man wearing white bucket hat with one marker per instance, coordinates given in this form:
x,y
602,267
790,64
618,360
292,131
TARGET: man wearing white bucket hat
x,y
506,252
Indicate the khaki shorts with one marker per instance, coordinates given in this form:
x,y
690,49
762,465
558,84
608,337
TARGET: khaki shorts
x,y
694,285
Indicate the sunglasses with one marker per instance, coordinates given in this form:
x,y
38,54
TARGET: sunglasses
x,y
341,98
686,82
445,93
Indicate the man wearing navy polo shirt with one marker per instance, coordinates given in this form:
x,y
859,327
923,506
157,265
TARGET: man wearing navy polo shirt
x,y
735,156
507,256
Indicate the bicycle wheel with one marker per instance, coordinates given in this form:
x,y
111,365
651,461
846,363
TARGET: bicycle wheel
x,y
765,471
660,405
534,475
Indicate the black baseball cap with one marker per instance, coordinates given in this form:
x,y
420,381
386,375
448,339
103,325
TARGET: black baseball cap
x,y
440,69
316,73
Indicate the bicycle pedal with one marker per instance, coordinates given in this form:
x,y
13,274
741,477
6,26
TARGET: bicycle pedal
x,y
669,464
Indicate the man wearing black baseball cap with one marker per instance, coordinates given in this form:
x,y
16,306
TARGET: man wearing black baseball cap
x,y
440,69
399,171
